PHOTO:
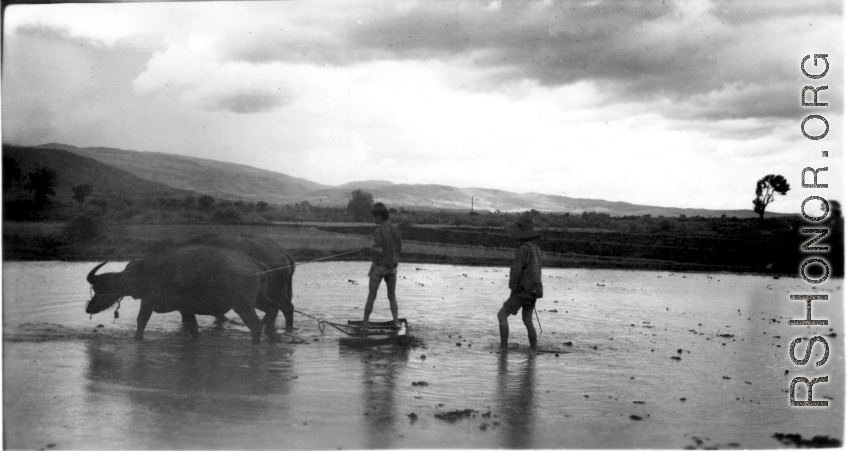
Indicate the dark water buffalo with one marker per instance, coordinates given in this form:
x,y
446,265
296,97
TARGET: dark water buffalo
x,y
280,266
194,280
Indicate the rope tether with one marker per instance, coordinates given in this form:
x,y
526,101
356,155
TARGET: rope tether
x,y
540,330
322,324
311,261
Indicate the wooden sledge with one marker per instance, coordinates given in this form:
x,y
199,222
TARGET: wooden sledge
x,y
380,333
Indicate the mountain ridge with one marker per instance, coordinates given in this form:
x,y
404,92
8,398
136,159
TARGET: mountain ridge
x,y
236,181
73,169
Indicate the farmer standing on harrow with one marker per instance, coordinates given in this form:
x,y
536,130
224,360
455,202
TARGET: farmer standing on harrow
x,y
524,281
386,254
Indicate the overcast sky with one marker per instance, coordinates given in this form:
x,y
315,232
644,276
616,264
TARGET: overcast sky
x,y
667,103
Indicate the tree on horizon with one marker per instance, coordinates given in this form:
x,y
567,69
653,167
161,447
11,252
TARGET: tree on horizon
x,y
360,204
765,189
205,202
42,183
81,192
11,171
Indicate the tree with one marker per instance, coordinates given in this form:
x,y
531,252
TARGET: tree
x,y
205,202
261,206
765,189
360,204
42,183
11,171
81,192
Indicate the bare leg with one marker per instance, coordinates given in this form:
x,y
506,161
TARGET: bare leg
x,y
144,314
391,284
190,323
503,318
373,286
248,315
526,313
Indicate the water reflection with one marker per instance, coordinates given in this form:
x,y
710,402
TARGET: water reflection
x,y
380,371
218,382
515,399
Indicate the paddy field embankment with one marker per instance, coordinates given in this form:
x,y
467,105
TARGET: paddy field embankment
x,y
422,244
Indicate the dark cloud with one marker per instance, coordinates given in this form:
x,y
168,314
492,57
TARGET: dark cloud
x,y
744,12
246,103
765,100
52,82
635,51
739,130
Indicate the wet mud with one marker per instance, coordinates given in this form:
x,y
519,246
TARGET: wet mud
x,y
606,376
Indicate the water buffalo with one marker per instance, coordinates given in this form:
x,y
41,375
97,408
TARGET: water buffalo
x,y
280,273
194,280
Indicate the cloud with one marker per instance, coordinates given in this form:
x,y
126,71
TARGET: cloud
x,y
192,71
246,103
714,59
55,85
732,60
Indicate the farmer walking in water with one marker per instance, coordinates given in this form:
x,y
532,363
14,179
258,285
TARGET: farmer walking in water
x,y
524,281
386,254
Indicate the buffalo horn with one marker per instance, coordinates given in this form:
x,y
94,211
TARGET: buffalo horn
x,y
90,277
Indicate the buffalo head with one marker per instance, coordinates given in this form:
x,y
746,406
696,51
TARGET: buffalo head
x,y
108,289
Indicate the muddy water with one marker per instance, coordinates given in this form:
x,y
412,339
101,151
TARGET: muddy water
x,y
72,384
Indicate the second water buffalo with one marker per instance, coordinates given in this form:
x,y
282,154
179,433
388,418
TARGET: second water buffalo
x,y
280,272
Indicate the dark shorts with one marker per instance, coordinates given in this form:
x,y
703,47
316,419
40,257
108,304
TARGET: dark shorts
x,y
381,272
517,301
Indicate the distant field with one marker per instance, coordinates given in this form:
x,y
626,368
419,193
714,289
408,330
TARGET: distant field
x,y
564,247
126,241
447,245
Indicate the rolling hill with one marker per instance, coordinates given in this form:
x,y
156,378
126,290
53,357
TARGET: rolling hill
x,y
215,178
240,182
73,169
452,198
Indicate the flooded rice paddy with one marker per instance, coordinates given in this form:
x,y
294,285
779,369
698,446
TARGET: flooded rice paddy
x,y
69,383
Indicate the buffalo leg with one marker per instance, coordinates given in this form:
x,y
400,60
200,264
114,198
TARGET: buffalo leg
x,y
190,323
144,314
270,325
265,304
248,315
288,312
288,299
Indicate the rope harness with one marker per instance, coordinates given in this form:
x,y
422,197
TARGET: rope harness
x,y
306,263
540,330
322,324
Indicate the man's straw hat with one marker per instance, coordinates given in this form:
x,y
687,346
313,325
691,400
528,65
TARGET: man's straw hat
x,y
522,228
